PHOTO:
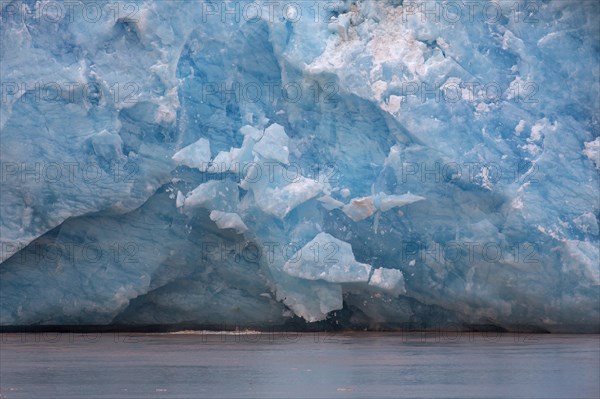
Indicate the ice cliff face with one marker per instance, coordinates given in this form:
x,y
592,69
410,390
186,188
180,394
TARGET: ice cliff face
x,y
373,164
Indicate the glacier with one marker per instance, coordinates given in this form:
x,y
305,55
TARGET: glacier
x,y
346,164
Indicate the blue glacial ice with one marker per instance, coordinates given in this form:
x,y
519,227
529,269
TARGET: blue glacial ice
x,y
353,164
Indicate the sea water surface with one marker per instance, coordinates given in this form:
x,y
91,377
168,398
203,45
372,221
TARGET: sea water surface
x,y
294,365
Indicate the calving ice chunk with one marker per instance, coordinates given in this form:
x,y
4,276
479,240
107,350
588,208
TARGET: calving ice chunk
x,y
330,203
273,145
238,160
274,193
214,195
281,200
195,155
325,265
362,208
311,300
228,220
329,259
390,280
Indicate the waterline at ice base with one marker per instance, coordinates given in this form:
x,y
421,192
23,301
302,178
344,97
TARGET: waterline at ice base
x,y
343,165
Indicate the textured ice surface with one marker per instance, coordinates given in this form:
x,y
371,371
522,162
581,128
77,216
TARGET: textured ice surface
x,y
370,164
226,220
331,260
195,155
389,279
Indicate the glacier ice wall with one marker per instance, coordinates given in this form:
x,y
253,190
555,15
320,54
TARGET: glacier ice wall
x,y
365,164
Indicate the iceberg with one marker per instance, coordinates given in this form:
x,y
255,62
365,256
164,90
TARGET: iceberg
x,y
364,164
